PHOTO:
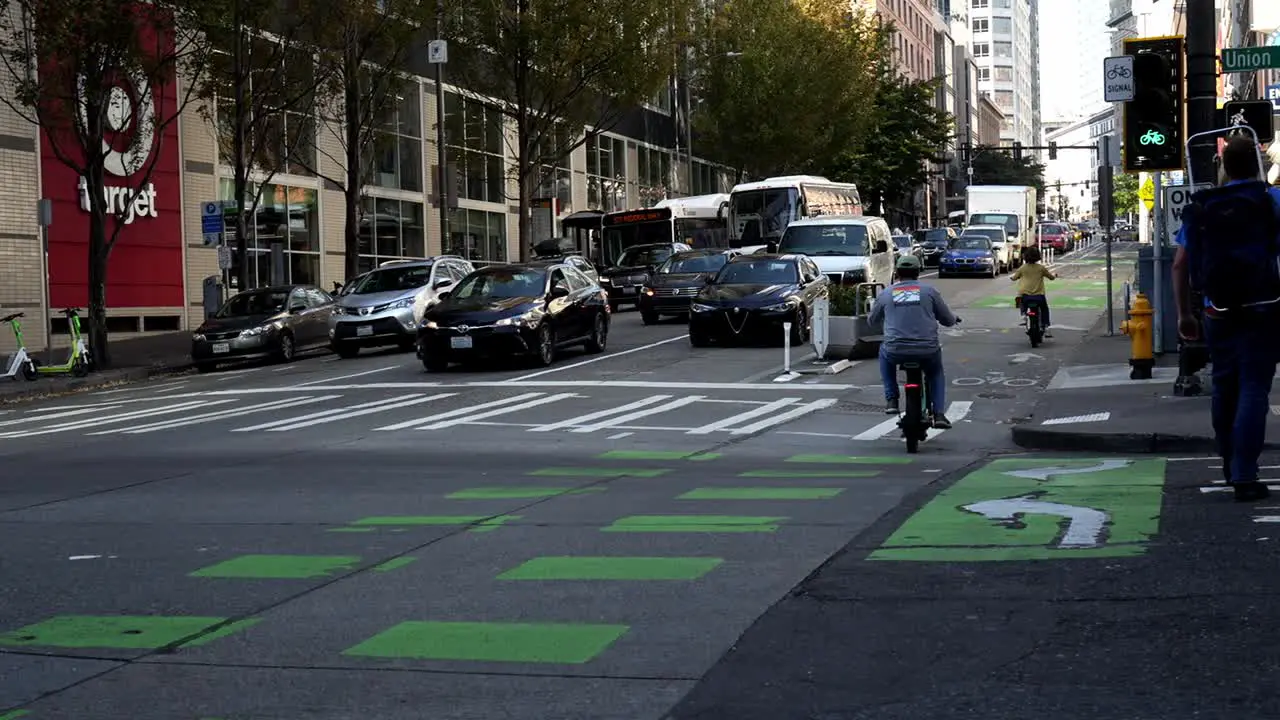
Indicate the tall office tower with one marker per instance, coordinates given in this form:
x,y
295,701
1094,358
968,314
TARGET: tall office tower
x,y
1005,41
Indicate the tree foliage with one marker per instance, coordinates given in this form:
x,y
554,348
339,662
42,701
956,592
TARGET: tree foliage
x,y
994,166
556,67
1125,194
904,129
784,86
98,77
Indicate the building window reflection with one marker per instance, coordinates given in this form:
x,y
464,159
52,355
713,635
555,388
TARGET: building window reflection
x,y
281,128
390,230
606,173
397,143
477,235
474,134
286,217
653,173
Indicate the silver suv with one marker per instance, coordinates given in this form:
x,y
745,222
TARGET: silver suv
x,y
384,306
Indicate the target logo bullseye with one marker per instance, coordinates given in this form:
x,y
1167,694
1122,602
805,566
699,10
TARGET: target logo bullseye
x,y
130,120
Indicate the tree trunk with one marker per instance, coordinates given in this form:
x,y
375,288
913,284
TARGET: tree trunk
x,y
97,258
354,131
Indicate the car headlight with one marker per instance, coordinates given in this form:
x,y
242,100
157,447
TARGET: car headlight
x,y
605,281
700,308
198,337
254,332
339,310
528,319
647,291
779,307
401,304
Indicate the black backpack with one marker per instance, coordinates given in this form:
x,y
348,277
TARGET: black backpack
x,y
1233,244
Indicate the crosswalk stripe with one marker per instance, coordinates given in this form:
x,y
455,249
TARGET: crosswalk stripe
x,y
620,419
97,422
580,419
787,416
350,412
216,415
418,422
878,431
956,412
728,422
464,419
56,415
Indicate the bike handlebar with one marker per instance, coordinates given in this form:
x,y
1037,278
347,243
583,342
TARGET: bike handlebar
x,y
15,316
69,311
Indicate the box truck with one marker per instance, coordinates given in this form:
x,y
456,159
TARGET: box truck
x,y
1011,206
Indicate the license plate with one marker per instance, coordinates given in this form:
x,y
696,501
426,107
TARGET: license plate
x,y
222,347
460,343
364,331
628,291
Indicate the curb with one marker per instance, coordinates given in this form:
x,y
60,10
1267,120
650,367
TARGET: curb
x,y
1034,438
78,385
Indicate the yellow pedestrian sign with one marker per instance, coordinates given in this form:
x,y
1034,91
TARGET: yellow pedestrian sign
x,y
1147,193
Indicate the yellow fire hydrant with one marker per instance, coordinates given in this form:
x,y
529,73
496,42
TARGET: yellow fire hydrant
x,y
1140,331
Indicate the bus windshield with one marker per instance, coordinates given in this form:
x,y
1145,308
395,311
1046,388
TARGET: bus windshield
x,y
1010,222
773,209
617,238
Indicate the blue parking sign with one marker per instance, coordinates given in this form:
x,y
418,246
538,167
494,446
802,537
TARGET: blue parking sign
x,y
212,224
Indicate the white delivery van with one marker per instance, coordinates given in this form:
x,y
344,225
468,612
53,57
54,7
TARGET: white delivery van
x,y
1010,206
848,249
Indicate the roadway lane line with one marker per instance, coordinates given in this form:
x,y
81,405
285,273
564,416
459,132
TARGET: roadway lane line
x,y
347,377
464,419
956,411
787,416
96,422
589,417
606,356
732,420
619,420
345,413
216,415
419,422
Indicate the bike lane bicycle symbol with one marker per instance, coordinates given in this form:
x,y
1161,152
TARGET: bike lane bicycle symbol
x,y
995,378
1118,71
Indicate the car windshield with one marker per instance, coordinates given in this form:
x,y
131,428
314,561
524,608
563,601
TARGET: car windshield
x,y
971,241
1009,221
902,241
637,256
936,236
825,240
392,279
758,272
254,302
693,264
1053,229
502,284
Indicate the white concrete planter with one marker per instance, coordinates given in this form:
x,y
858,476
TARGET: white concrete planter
x,y
851,337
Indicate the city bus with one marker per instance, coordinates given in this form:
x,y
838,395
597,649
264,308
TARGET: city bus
x,y
699,221
760,211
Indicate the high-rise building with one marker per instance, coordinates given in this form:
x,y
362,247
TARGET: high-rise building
x,y
1005,34
1090,46
913,43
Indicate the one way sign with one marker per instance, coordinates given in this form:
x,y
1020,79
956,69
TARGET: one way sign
x,y
1177,197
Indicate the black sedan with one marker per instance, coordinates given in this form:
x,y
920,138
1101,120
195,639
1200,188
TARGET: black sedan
x,y
932,243
672,286
266,322
624,278
753,295
515,310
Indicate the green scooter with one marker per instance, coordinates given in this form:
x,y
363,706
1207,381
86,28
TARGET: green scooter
x,y
80,360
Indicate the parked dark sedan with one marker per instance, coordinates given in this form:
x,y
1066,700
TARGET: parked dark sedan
x,y
932,243
753,295
267,322
672,286
515,310
630,272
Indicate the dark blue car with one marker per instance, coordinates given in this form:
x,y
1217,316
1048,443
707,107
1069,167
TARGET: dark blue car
x,y
969,255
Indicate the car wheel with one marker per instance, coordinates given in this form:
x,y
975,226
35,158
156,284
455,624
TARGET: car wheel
x,y
284,348
613,306
345,350
995,271
648,317
206,367
800,328
545,352
599,337
699,339
434,364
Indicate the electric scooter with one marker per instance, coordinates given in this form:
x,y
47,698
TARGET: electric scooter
x,y
80,360
20,363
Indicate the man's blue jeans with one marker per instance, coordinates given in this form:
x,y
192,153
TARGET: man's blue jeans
x,y
1244,350
930,365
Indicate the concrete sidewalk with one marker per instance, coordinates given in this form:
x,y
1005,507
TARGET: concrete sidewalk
x,y
133,359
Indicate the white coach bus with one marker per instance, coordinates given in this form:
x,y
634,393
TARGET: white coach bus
x,y
760,211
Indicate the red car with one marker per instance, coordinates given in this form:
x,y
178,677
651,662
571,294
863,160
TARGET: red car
x,y
1054,235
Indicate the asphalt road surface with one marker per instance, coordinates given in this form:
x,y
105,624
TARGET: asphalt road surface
x,y
359,538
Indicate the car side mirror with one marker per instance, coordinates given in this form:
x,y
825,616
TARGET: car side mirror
x,y
296,308
881,246
442,282
443,294
559,291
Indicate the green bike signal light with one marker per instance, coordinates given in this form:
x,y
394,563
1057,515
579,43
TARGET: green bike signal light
x,y
1153,120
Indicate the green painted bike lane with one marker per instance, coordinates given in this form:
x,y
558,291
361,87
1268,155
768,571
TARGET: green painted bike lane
x,y
1036,509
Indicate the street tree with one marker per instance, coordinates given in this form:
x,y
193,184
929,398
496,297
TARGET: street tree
x,y
260,97
1125,194
562,71
363,47
783,86
905,132
997,166
99,77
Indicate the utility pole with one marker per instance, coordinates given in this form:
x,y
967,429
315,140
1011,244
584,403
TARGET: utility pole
x,y
685,82
240,120
438,55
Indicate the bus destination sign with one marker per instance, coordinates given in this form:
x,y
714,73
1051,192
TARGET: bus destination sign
x,y
639,216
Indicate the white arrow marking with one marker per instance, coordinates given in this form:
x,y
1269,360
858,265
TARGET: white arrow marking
x,y
1046,472
1084,525
1019,358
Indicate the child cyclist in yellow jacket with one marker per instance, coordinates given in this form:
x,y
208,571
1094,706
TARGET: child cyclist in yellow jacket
x,y
1030,278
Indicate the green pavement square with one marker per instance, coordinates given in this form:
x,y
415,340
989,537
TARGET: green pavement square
x,y
14,714
119,632
279,567
517,493
818,459
809,473
403,520
658,455
599,472
761,493
612,568
393,564
564,643
695,524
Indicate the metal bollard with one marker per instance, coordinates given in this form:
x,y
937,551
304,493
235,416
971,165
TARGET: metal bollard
x,y
786,347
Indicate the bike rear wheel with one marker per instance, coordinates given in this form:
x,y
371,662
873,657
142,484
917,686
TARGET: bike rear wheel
x,y
914,418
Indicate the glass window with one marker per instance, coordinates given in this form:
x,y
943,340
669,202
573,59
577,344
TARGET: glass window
x,y
682,263
474,131
254,302
653,175
1002,25
396,157
981,49
1004,73
980,25
606,173
974,240
390,230
1003,49
285,216
577,281
758,272
281,129
477,235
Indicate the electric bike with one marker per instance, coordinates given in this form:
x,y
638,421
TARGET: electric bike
x,y
19,363
916,418
1034,311
79,361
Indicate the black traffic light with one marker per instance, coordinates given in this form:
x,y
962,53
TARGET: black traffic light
x,y
1017,151
1053,151
1255,114
1153,125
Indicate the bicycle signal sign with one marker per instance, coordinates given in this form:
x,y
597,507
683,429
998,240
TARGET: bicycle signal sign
x,y
1151,137
1118,79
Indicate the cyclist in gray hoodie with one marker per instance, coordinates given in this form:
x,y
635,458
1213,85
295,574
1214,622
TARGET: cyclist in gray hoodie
x,y
911,312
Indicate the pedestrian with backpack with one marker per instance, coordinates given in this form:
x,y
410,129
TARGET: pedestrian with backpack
x,y
1229,252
